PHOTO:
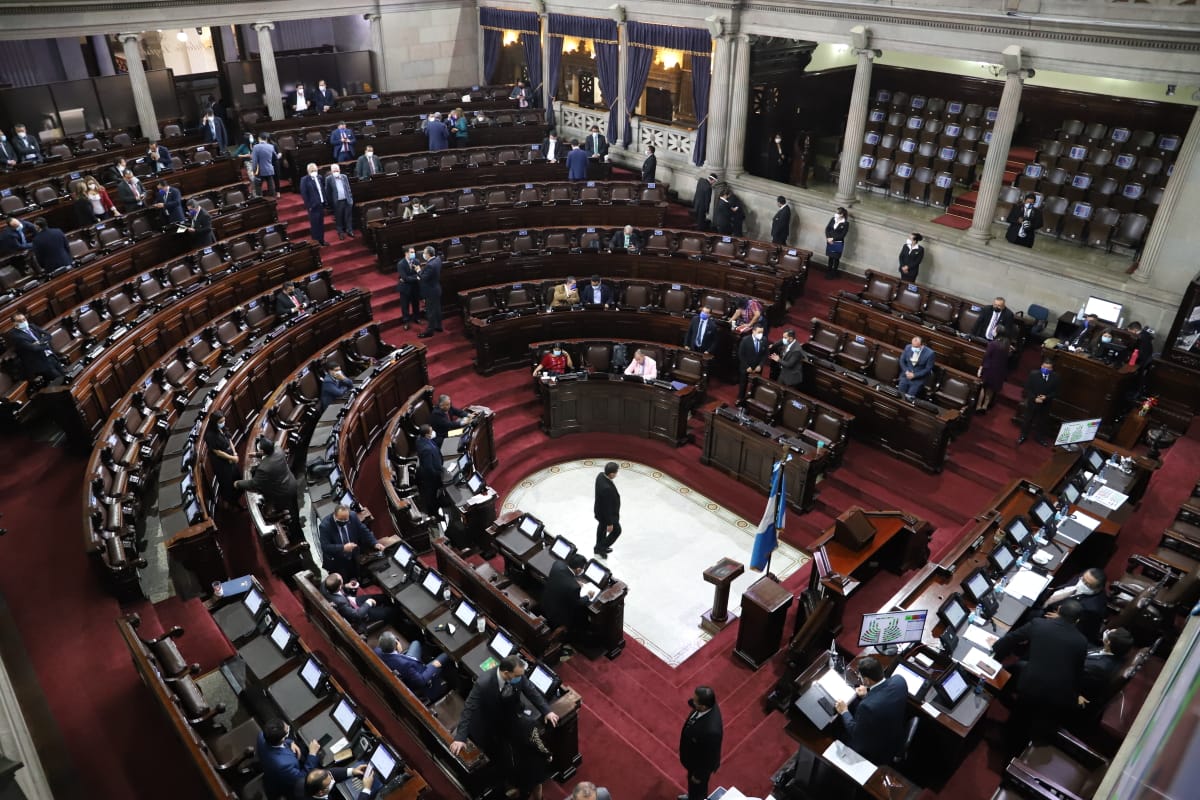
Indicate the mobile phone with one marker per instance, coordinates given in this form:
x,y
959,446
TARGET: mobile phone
x,y
370,771
325,739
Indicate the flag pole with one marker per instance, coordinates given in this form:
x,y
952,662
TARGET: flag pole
x,y
784,457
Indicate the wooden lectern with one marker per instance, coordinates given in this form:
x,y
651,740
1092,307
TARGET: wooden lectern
x,y
764,610
721,575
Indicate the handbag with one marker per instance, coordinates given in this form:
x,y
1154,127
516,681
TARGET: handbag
x,y
834,248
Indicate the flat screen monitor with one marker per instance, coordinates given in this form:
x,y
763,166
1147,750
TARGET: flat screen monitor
x,y
464,461
951,687
947,154
866,162
561,548
1081,181
253,601
281,636
403,557
1119,134
530,525
1018,532
904,170
821,559
877,116
954,107
597,573
953,130
543,679
977,585
466,614
1077,431
1131,191
1082,210
1033,171
1001,558
953,612
1168,143
872,138
312,674
916,123
1094,459
345,717
475,483
501,645
432,583
892,627
914,680
918,102
1070,493
908,146
991,114
1042,512
1124,161
1077,153
384,762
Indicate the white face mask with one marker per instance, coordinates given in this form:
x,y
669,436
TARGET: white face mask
x,y
778,140
1081,587
312,173
758,337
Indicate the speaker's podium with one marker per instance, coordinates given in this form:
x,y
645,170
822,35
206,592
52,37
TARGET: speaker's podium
x,y
760,631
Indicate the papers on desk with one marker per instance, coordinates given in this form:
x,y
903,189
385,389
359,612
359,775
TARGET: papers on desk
x,y
836,686
1108,497
338,746
589,592
979,636
931,710
980,663
1027,585
1087,520
849,762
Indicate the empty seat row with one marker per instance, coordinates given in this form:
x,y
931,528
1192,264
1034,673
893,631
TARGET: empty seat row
x,y
1119,139
930,306
926,185
1079,221
1132,196
403,99
799,415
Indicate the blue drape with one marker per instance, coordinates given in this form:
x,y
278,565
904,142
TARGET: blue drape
x,y
640,59
608,71
532,43
491,52
494,21
701,82
698,43
603,33
554,46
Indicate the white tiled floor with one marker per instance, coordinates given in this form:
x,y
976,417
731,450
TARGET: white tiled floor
x,y
671,534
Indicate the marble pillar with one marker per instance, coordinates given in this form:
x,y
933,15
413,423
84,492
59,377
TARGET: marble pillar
x,y
1168,210
379,51
856,124
718,103
142,99
266,54
739,106
997,157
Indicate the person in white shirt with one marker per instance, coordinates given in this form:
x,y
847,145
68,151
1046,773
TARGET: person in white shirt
x,y
642,365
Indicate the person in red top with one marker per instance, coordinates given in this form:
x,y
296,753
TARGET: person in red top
x,y
555,362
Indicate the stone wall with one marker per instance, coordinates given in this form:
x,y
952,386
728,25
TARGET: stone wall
x,y
432,47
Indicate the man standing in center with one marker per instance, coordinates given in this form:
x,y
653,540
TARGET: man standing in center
x,y
577,163
702,201
430,276
700,742
752,354
781,223
607,509
1041,387
337,189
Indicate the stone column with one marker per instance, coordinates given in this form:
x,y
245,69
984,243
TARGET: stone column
x,y
739,106
622,76
379,51
997,156
141,89
104,60
547,89
856,124
1161,229
266,56
718,103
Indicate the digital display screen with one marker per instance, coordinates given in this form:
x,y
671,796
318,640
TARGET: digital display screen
x,y
345,716
311,674
891,627
253,601
821,559
1018,530
1077,153
402,556
597,573
1106,310
530,526
1095,460
542,679
953,613
1081,181
1042,512
977,585
1082,210
1003,558
281,636
475,483
465,613
432,583
1132,191
1070,493
1124,161
954,686
913,680
384,762
561,548
501,645
954,108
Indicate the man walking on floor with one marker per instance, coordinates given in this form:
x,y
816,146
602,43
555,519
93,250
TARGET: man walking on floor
x,y
313,195
607,510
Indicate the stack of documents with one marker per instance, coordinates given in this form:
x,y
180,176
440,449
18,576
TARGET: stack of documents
x,y
1026,585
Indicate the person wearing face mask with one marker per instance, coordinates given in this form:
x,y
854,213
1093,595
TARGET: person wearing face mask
x,y
835,240
159,156
222,458
343,538
1024,221
214,132
437,133
456,124
606,508
702,332
1102,667
116,173
566,294
778,160
650,165
131,193
8,156
555,361
874,720
790,360
32,346
272,478
597,293
314,196
552,148
262,163
368,164
17,236
324,99
26,147
335,387
916,362
643,366
289,300
342,141
409,286
171,202
429,272
200,223
910,258
492,718
1085,332
996,319
92,203
1088,590
429,471
337,193
781,223
752,354
301,102
626,239
700,742
1041,387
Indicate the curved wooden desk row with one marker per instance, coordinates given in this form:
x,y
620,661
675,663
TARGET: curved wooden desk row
x,y
90,163
82,404
946,387
89,150
156,415
798,415
42,296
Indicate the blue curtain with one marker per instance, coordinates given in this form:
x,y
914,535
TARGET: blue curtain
x,y
640,59
494,21
701,82
697,42
554,44
532,43
603,33
608,70
491,52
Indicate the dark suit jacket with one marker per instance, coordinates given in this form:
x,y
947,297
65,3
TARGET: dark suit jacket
x,y
561,602
356,614
649,167
339,774
924,364
363,168
284,305
723,215
31,350
429,462
875,723
161,157
1145,349
281,769
7,153
331,183
700,743
748,357
1095,610
431,278
1099,670
27,148
416,675
910,257
313,199
324,98
1053,672
407,276
791,365
273,479
1007,321
702,199
561,149
438,133
331,539
483,719
837,232
10,242
1035,384
51,250
262,159
333,390
342,151
125,195
607,505
781,224
617,242
442,423
1015,218
586,295
202,229
709,343
216,134
595,144
172,202
577,164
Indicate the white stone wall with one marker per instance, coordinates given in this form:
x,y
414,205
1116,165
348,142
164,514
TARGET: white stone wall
x,y
432,47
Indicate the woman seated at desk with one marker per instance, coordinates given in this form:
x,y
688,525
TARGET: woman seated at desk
x,y
554,362
642,365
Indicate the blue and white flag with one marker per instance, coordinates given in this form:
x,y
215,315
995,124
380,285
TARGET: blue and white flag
x,y
771,526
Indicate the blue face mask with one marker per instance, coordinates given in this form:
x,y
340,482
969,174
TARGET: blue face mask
x,y
703,315
515,680
1045,372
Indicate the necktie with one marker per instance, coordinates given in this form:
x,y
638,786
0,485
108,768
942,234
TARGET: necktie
x,y
700,332
296,303
320,194
371,164
353,602
342,530
756,345
991,329
21,234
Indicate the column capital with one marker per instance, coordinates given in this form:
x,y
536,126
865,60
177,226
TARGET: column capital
x,y
264,26
870,54
372,17
129,36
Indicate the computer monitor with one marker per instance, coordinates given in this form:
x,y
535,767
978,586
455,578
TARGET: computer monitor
x,y
1001,558
1124,161
597,573
1077,153
1094,459
951,687
475,483
433,583
402,556
384,762
892,628
1168,143
977,585
872,138
1082,210
1018,532
1081,181
914,680
1113,352
953,612
1076,431
281,636
253,601
1070,493
530,525
561,548
312,675
466,614
345,717
544,680
501,645
464,461
1131,191
1105,310
954,107
1042,512
947,154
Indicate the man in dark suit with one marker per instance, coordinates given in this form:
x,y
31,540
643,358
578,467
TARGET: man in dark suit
x,y
626,239
491,718
650,165
577,163
324,99
289,300
1041,387
26,146
17,236
700,742
425,680
318,784
337,192
702,332
723,213
429,471
1023,222
32,346
50,247
429,274
159,156
283,762
781,223
335,387
445,418
596,293
131,193
437,133
607,509
596,145
262,166
1143,347
790,359
1048,680
553,147
214,132
272,478
994,320
561,603
1088,591
910,258
874,719
313,194
702,201
1102,666
916,363
342,539
342,142
301,102
360,612
409,286
752,354
368,164
8,155
171,202
200,221
116,173
1087,330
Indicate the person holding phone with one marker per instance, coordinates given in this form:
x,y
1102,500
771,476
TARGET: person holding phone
x,y
319,783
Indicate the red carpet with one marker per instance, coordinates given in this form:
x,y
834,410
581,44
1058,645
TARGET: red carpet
x,y
632,706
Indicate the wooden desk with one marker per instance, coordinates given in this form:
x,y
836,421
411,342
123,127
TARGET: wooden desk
x,y
1090,388
952,349
605,403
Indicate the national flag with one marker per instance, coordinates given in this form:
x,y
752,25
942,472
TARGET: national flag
x,y
772,522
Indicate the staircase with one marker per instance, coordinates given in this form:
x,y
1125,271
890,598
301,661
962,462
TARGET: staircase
x,y
962,210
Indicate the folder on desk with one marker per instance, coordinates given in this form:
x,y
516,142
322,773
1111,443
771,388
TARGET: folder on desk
x,y
1076,528
849,762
